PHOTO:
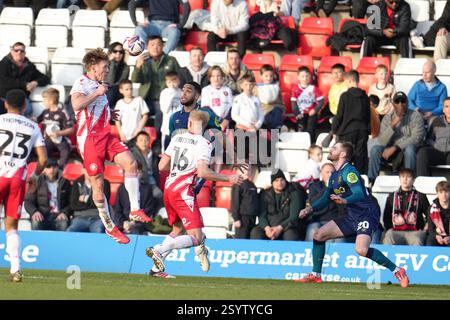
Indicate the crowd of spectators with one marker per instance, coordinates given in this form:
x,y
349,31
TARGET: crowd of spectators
x,y
414,127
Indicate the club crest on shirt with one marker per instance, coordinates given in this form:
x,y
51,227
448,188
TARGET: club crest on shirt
x,y
352,177
93,167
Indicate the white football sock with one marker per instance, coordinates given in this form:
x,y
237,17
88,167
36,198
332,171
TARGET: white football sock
x,y
132,186
167,240
178,243
103,211
12,248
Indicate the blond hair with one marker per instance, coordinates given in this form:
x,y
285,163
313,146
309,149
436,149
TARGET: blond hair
x,y
94,57
52,94
199,116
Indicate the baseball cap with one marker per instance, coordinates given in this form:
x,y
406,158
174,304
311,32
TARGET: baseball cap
x,y
400,97
51,162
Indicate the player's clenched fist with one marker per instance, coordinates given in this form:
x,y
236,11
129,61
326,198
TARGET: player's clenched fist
x,y
101,89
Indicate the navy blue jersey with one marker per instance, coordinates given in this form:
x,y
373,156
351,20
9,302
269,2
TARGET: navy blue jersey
x,y
348,184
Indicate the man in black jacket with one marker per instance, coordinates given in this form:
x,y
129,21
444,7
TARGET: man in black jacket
x,y
17,72
163,21
352,120
245,205
196,70
279,208
396,24
82,206
49,205
438,35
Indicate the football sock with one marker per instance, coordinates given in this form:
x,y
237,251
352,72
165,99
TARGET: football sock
x,y
381,259
132,186
167,240
318,253
12,248
103,210
180,242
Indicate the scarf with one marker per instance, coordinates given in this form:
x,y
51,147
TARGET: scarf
x,y
405,220
435,216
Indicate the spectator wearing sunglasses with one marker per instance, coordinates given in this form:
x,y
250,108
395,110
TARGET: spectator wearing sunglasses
x,y
18,72
394,29
118,71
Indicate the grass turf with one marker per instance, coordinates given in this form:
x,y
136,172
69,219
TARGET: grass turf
x,y
38,284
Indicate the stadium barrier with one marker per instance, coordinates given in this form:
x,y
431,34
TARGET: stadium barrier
x,y
49,250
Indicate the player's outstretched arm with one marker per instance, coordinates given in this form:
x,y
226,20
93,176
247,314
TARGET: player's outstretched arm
x,y
204,172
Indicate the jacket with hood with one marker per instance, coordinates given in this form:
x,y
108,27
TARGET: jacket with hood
x,y
13,77
353,113
232,82
186,75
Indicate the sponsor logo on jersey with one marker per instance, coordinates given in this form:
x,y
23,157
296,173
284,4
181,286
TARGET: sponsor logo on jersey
x,y
352,177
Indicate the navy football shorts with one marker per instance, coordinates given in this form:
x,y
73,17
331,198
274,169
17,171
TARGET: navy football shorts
x,y
359,221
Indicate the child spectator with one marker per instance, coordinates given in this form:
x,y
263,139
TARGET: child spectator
x,y
169,102
439,217
245,205
310,171
56,125
337,88
133,113
383,90
217,96
247,111
307,101
270,96
374,118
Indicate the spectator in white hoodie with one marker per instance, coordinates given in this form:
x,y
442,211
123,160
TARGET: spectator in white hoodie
x,y
169,101
230,22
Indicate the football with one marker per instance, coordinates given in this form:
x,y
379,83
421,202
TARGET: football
x,y
134,45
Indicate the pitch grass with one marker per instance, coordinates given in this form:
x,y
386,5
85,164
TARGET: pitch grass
x,y
40,284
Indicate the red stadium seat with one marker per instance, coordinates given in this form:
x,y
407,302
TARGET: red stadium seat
x,y
313,33
289,65
324,78
30,169
254,62
287,103
152,133
367,67
223,191
196,4
252,7
72,171
196,39
115,176
204,196
362,21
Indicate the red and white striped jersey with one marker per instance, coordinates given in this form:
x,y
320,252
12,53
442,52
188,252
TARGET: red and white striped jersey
x,y
185,150
18,136
94,118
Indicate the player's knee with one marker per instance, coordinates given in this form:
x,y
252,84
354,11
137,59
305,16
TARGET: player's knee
x,y
319,236
362,251
131,166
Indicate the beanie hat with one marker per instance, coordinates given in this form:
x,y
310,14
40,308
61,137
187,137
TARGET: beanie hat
x,y
277,174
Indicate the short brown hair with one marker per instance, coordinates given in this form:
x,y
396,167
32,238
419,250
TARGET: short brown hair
x,y
124,82
232,50
51,94
348,148
382,67
443,185
171,75
211,69
93,57
196,48
247,77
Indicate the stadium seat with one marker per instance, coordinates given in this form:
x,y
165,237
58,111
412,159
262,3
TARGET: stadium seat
x,y
196,4
367,67
252,7
422,28
325,150
196,39
39,56
216,222
152,133
254,62
114,174
89,22
36,97
292,151
262,181
216,58
407,72
67,65
381,188
288,70
443,71
16,25
181,56
223,191
121,25
439,6
72,171
313,33
288,22
427,185
341,23
204,195
30,168
4,50
52,28
324,77
420,10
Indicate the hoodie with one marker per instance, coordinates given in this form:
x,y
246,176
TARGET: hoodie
x,y
353,113
188,74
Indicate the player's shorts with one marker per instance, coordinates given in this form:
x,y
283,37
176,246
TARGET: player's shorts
x,y
181,205
97,148
359,221
12,193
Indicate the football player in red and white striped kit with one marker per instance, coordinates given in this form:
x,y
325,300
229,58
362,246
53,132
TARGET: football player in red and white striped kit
x,y
95,142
